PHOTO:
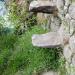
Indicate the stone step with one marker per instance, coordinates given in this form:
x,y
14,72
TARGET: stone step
x,y
42,7
48,40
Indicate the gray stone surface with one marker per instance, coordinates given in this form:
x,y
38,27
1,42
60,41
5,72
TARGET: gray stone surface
x,y
72,11
55,23
73,60
42,6
48,40
67,53
72,27
64,34
72,44
50,73
60,4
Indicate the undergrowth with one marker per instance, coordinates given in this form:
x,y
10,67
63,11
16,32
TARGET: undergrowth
x,y
19,57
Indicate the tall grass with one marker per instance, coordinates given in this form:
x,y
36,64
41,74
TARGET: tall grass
x,y
6,48
19,57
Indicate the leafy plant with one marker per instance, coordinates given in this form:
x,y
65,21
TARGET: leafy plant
x,y
21,18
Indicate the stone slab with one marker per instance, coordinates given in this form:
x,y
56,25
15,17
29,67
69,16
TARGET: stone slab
x,y
48,40
42,6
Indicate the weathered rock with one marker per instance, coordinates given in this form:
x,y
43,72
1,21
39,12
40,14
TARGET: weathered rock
x,y
72,27
42,6
68,17
73,60
72,44
55,24
60,4
48,40
70,24
68,2
64,34
72,11
50,73
67,53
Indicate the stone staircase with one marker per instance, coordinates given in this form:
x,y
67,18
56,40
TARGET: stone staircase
x,y
65,34
51,39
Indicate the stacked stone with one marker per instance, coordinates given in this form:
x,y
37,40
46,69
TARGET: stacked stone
x,y
69,48
63,27
67,33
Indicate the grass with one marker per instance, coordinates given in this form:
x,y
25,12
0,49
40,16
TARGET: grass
x,y
19,57
6,49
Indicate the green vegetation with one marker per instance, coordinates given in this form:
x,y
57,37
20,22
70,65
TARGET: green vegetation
x,y
18,55
20,17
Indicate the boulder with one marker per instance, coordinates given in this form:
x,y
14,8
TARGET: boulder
x,y
42,6
48,40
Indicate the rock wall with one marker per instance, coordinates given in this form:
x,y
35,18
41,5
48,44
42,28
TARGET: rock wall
x,y
50,22
64,25
43,18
